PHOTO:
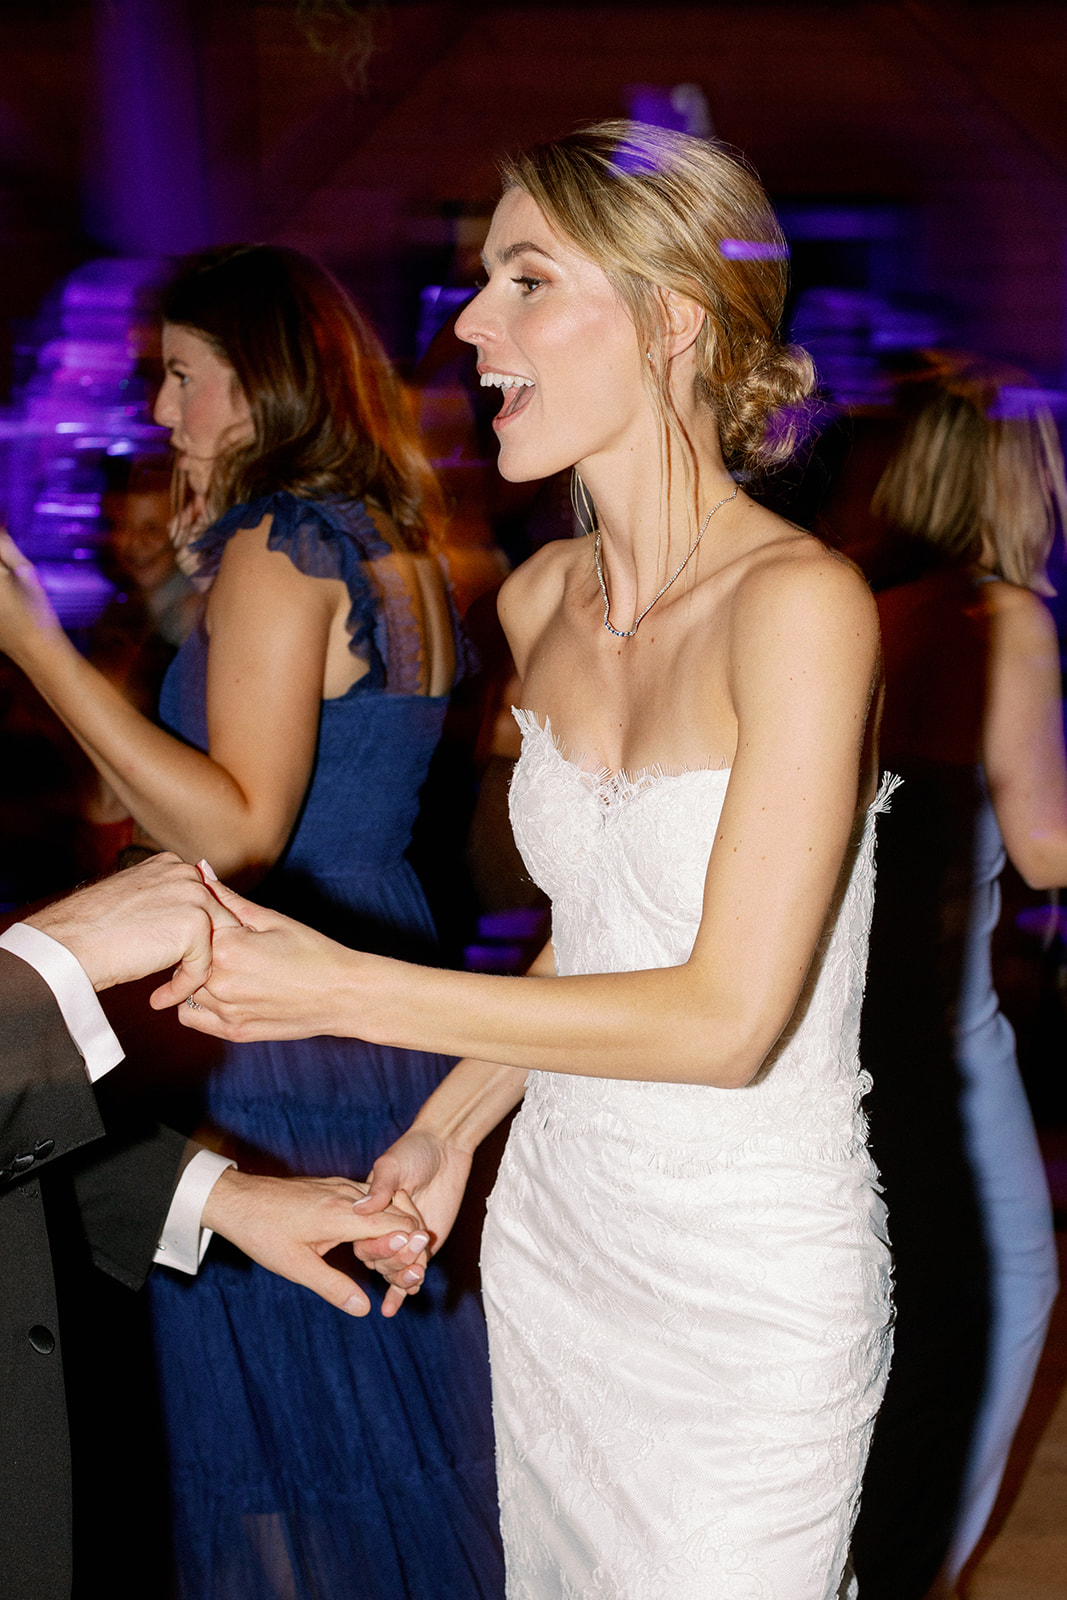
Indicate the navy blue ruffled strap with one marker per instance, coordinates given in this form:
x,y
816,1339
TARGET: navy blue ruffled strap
x,y
325,539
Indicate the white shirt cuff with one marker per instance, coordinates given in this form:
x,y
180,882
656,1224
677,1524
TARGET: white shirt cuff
x,y
75,995
183,1241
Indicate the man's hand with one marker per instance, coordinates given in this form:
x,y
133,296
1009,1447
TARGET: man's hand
x,y
288,1225
435,1173
156,915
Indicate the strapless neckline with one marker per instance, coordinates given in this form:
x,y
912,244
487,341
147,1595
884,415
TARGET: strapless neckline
x,y
610,787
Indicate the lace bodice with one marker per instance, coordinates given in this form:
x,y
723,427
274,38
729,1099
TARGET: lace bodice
x,y
623,860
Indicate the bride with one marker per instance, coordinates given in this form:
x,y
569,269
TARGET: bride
x,y
685,1265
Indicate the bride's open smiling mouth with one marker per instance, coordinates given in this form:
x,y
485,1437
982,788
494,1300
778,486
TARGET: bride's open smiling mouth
x,y
516,393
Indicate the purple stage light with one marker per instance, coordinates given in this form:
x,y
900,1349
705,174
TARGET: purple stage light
x,y
681,106
636,158
86,399
753,250
1017,400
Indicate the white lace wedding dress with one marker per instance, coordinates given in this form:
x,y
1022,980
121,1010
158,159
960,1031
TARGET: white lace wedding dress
x,y
687,1287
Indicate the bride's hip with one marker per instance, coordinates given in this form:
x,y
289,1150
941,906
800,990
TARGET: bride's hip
x,y
592,1213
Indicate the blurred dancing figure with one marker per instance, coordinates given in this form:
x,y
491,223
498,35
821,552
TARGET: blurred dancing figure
x,y
309,1456
137,508
973,724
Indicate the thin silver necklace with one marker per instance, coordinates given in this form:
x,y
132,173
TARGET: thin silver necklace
x,y
628,633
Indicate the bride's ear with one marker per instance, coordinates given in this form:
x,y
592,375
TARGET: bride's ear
x,y
684,319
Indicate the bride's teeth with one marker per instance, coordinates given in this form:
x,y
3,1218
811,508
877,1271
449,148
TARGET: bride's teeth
x,y
504,380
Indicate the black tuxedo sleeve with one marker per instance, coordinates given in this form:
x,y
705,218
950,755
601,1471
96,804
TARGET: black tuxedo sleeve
x,y
123,1188
123,1171
47,1105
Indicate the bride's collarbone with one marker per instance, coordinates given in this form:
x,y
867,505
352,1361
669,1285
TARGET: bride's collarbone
x,y
624,729
662,674
658,699
661,668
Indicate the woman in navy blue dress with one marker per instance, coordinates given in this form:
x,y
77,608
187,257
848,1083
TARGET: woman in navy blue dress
x,y
311,1455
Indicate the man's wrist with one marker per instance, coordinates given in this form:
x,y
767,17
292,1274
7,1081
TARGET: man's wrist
x,y
219,1203
187,1231
58,925
54,961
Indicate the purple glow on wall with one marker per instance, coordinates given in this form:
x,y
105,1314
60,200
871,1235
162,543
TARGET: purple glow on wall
x,y
753,250
681,106
1015,400
147,186
146,197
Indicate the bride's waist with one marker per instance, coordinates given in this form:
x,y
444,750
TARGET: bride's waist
x,y
683,1123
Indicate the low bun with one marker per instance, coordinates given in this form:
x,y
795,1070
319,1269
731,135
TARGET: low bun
x,y
762,402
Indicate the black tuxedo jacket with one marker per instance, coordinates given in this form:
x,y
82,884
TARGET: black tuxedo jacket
x,y
120,1188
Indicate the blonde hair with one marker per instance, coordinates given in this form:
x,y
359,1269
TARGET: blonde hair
x,y
980,469
660,211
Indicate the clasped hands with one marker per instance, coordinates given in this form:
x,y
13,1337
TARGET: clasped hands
x,y
242,972
271,978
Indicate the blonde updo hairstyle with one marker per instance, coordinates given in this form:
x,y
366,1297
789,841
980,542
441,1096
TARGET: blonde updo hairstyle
x,y
979,475
660,211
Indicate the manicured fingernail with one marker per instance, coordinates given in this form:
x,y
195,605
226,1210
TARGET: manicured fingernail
x,y
355,1305
398,1241
362,1201
418,1241
207,871
412,1275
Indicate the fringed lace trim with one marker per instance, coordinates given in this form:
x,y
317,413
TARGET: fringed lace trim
x,y
612,785
886,790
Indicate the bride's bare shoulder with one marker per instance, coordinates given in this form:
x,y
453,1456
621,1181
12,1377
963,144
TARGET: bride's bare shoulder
x,y
532,593
792,581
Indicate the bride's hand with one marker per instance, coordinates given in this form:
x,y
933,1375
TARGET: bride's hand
x,y
289,1224
272,978
423,1171
26,613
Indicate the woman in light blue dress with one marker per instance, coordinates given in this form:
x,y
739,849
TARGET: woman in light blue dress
x,y
972,724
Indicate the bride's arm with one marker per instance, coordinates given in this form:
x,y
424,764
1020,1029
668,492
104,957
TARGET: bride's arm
x,y
801,676
269,630
431,1162
467,1105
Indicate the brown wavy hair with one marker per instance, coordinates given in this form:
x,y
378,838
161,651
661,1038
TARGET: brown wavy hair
x,y
979,472
329,414
660,211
